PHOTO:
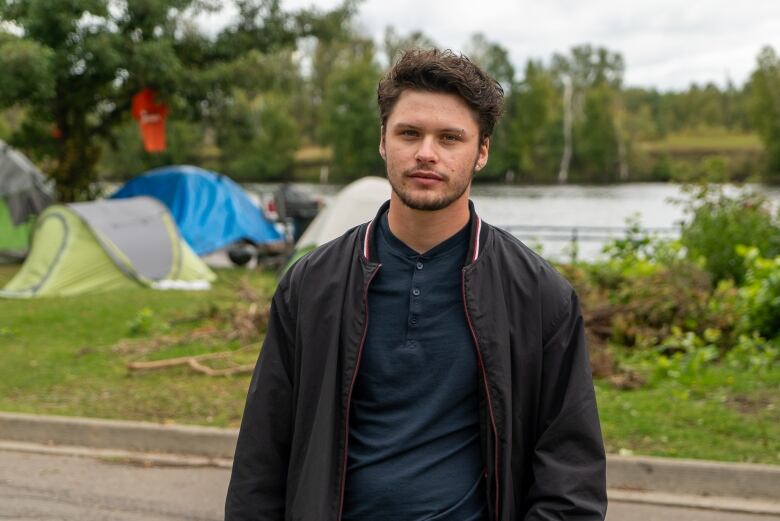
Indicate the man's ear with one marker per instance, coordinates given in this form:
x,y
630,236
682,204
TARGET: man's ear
x,y
482,153
382,142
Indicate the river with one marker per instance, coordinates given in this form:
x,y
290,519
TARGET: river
x,y
573,207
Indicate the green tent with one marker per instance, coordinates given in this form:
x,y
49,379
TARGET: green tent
x,y
24,193
107,245
14,239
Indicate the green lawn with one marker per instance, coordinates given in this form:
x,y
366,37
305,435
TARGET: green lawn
x,y
715,141
68,356
60,355
724,415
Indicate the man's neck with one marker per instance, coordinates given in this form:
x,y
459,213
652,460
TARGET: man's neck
x,y
422,230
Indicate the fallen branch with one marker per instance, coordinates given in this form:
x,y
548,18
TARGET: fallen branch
x,y
171,362
197,366
193,361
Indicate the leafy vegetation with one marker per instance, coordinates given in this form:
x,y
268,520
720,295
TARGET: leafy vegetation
x,y
719,223
246,100
689,331
764,87
76,66
760,295
684,366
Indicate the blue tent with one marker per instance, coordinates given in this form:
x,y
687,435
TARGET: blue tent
x,y
211,210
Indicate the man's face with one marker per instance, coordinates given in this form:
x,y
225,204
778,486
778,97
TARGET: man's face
x,y
431,146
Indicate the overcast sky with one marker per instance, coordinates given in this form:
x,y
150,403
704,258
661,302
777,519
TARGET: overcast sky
x,y
665,43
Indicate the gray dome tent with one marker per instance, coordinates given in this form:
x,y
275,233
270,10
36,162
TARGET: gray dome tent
x,y
107,245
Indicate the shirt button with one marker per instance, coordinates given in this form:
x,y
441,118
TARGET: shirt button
x,y
416,292
413,321
419,265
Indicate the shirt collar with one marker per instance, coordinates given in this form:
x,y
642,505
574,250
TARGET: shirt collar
x,y
478,235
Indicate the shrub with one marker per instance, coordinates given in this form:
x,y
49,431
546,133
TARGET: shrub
x,y
760,295
637,253
646,287
753,353
683,356
145,323
648,306
719,223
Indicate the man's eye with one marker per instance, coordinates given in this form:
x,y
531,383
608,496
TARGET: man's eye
x,y
409,133
450,138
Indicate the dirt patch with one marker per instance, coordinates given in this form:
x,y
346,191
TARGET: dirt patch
x,y
749,404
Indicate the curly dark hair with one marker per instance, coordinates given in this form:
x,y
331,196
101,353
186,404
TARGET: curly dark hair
x,y
435,70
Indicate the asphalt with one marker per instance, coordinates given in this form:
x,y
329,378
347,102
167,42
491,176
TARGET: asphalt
x,y
730,487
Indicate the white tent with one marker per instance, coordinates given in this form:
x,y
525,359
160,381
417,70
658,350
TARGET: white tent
x,y
355,204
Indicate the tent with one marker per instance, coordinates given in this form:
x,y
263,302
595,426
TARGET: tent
x,y
211,210
106,245
355,204
24,193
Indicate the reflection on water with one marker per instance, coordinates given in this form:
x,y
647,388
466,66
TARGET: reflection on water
x,y
573,206
655,205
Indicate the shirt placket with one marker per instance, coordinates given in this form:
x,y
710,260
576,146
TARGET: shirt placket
x,y
416,294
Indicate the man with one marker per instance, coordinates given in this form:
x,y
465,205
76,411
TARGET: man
x,y
425,365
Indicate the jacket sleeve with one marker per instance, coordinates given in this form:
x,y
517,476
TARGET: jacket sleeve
x,y
569,464
257,486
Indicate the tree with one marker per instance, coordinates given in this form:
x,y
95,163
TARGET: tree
x,y
319,58
77,65
597,151
493,58
184,140
591,78
350,115
764,90
395,44
261,140
520,142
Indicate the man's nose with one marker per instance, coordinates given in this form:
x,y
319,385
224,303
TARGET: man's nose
x,y
426,153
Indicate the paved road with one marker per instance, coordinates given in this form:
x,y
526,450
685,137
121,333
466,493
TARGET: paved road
x,y
46,487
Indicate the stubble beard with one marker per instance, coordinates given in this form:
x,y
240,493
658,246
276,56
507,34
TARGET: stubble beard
x,y
425,203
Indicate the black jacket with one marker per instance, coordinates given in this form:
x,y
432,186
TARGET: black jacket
x,y
541,438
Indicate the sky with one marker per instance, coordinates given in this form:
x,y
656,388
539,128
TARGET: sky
x,y
666,44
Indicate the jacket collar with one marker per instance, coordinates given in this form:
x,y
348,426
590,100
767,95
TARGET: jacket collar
x,y
476,243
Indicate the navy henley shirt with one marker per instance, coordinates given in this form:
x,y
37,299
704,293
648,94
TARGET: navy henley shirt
x,y
414,445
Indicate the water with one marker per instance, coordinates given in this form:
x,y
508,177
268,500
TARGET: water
x,y
572,206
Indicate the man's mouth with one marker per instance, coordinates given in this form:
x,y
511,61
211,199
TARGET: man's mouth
x,y
426,174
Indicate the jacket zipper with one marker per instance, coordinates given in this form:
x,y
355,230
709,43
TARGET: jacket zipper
x,y
349,395
487,388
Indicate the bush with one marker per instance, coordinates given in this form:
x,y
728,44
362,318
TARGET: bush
x,y
637,253
649,303
648,306
753,353
647,287
760,296
719,223
145,323
684,356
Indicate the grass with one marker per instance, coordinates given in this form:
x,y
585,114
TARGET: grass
x,y
67,356
60,355
705,142
722,415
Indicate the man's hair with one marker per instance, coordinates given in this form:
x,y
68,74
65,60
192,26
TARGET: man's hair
x,y
434,70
